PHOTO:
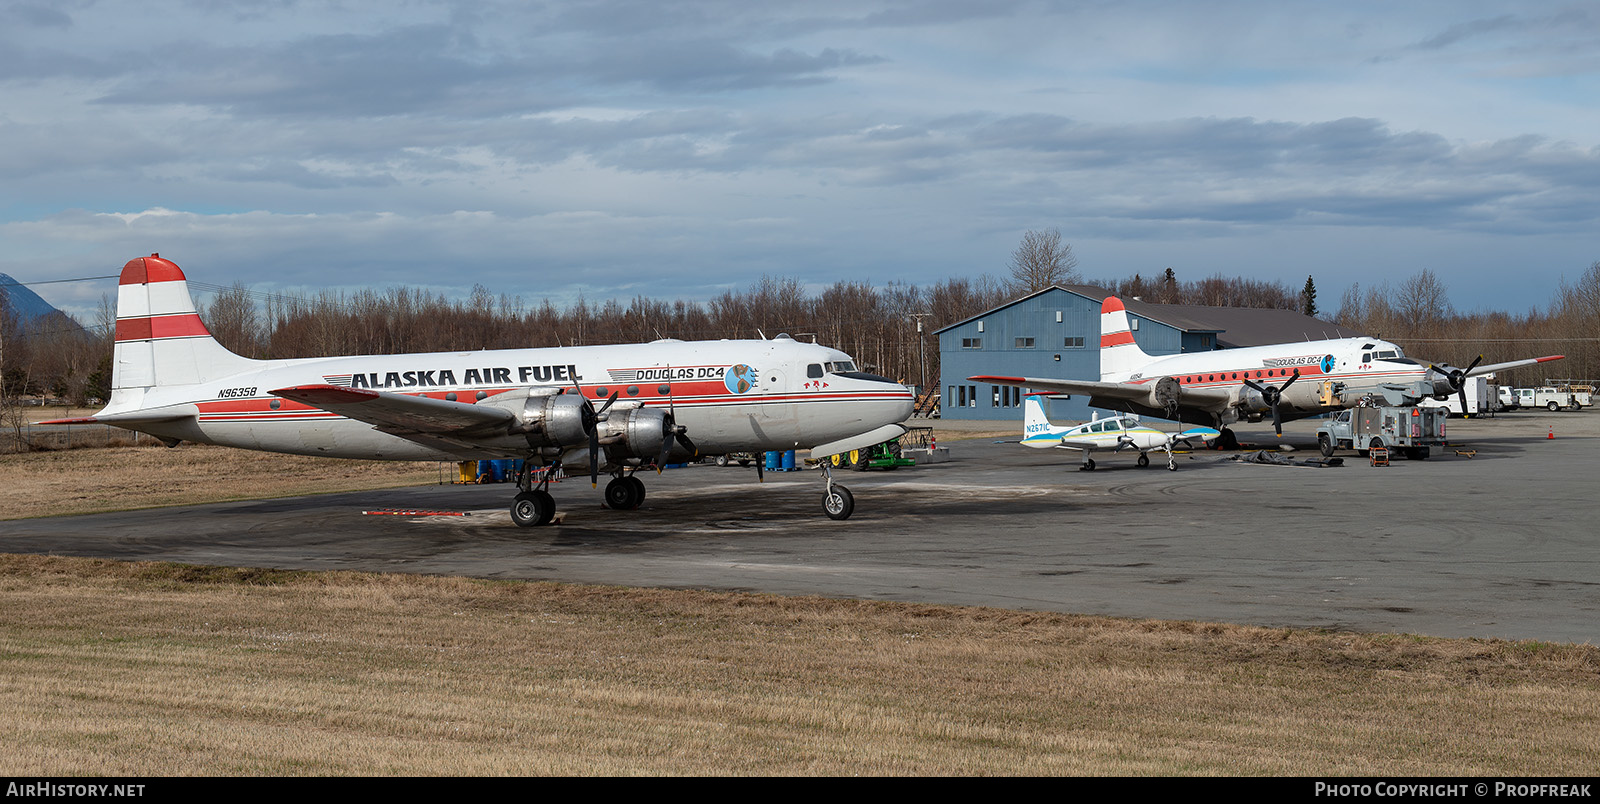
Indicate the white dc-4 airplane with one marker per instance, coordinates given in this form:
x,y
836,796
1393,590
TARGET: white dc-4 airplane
x,y
614,409
1223,386
1113,434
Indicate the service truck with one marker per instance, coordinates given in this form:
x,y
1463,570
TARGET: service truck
x,y
1551,397
1407,431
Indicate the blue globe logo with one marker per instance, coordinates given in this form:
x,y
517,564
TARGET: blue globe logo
x,y
739,379
1327,364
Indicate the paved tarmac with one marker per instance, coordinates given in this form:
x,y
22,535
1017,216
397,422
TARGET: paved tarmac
x,y
1505,544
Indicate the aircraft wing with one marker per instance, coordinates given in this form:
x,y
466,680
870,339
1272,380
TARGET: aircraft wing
x,y
402,414
1133,392
1513,364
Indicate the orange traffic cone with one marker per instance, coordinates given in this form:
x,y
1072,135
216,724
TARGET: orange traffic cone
x,y
1552,433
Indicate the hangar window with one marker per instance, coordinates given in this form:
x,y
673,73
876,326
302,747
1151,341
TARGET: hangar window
x,y
1024,343
1073,343
972,343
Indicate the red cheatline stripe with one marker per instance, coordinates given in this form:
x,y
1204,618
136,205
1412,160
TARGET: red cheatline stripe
x,y
182,325
141,270
1116,339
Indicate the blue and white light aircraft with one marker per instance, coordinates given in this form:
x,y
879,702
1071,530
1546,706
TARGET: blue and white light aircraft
x,y
1113,434
613,409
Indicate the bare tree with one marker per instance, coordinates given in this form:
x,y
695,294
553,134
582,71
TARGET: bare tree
x,y
1042,260
1422,299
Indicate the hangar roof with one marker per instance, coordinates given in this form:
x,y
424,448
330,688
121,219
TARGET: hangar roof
x,y
1235,326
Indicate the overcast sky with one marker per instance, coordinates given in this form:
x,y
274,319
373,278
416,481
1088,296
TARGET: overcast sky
x,y
675,149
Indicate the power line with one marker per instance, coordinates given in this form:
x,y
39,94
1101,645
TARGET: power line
x,y
56,281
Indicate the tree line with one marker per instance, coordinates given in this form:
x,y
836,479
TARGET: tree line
x,y
877,325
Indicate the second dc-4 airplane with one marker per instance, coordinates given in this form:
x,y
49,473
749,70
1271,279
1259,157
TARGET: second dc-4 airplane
x,y
611,409
1118,433
1219,387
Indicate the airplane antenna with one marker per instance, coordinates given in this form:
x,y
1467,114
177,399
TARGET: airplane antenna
x,y
762,334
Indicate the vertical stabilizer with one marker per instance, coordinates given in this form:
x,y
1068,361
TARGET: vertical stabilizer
x,y
1119,354
1037,431
160,338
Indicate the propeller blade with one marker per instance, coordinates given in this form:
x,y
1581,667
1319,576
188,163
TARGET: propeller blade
x,y
1285,386
666,444
594,457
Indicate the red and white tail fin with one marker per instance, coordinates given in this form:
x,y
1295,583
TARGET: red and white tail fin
x,y
160,338
1119,354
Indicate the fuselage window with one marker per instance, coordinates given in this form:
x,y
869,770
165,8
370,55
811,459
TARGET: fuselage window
x,y
814,371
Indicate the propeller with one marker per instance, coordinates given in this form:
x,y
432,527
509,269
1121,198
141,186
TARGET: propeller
x,y
1272,395
591,423
1458,379
672,431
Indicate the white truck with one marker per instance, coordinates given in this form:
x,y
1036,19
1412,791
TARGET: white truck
x,y
1408,431
1553,398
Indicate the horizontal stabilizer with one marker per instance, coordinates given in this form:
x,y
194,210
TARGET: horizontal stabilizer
x,y
166,414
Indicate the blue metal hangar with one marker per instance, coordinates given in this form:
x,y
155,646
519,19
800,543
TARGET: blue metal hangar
x,y
1055,332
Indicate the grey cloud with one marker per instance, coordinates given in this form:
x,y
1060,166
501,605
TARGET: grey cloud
x,y
34,15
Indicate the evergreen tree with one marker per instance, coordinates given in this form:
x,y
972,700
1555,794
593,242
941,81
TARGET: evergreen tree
x,y
1308,298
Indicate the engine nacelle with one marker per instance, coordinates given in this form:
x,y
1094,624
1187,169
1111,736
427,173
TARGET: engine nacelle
x,y
1251,400
545,416
636,433
1165,394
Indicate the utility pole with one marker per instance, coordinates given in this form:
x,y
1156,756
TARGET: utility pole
x,y
922,356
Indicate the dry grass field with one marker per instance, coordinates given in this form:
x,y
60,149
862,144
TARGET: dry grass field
x,y
82,481
136,668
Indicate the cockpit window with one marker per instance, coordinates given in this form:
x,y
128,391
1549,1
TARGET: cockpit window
x,y
814,370
841,366
1388,354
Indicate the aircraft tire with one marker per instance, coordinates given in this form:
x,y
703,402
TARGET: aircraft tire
x,y
1144,460
533,508
838,503
1088,466
623,495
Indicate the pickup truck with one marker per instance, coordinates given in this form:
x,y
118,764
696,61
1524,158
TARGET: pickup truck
x,y
1408,431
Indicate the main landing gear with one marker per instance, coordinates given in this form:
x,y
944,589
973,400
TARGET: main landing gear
x,y
533,505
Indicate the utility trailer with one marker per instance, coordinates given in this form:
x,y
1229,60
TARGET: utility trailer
x,y
1408,431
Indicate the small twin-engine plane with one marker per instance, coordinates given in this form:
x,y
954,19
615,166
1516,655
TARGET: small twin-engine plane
x,y
613,409
1116,433
1220,387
